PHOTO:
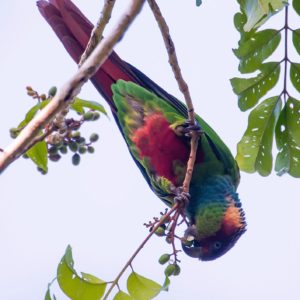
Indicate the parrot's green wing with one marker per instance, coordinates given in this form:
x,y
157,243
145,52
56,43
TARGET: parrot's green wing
x,y
220,149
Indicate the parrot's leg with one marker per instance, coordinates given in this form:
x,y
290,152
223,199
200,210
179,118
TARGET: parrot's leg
x,y
180,197
187,130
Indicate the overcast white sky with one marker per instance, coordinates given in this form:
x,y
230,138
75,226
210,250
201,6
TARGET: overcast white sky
x,y
99,207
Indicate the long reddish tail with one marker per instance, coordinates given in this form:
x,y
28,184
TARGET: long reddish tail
x,y
74,30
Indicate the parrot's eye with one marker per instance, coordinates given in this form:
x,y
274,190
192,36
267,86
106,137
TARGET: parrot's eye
x,y
217,245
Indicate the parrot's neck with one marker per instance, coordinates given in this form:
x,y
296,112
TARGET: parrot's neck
x,y
211,201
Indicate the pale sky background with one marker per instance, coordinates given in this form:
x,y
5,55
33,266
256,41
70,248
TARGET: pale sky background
x,y
99,207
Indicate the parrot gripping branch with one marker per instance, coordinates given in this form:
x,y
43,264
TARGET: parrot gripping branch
x,y
182,86
68,92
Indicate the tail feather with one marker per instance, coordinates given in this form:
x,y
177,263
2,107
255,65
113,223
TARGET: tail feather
x,y
74,30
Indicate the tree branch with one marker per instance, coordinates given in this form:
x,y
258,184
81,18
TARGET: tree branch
x,y
140,248
71,88
95,38
182,86
97,32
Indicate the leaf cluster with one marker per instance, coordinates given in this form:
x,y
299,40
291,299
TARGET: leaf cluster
x,y
270,117
89,287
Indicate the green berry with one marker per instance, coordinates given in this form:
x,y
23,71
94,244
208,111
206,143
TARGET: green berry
x,y
73,146
168,240
25,155
90,149
52,91
44,172
94,137
177,270
13,135
82,150
81,141
59,144
160,231
164,258
40,169
167,220
76,159
55,157
63,149
77,133
53,150
170,269
96,116
89,116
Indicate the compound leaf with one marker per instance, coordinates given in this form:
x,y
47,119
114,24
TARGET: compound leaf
x,y
250,90
255,147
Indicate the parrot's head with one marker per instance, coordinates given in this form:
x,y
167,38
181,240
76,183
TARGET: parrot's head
x,y
217,223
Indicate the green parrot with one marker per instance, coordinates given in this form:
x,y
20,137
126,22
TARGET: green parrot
x,y
156,130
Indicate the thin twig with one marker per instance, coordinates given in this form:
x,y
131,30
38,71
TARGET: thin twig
x,y
71,88
182,86
97,32
139,249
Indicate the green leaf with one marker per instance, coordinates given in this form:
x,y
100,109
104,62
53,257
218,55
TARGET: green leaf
x,y
166,284
240,19
34,110
90,104
38,153
250,90
255,147
296,6
288,159
296,40
78,109
141,288
255,50
91,278
293,119
295,75
259,11
122,296
48,296
88,287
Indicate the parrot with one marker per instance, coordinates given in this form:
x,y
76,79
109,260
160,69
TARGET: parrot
x,y
156,129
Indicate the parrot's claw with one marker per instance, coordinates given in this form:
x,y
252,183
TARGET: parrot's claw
x,y
187,130
183,198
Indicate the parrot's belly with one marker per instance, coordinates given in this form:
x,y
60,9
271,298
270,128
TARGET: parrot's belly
x,y
166,152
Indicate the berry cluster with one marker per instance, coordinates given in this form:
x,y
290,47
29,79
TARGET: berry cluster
x,y
72,140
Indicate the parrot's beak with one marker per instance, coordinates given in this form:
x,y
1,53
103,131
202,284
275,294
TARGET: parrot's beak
x,y
195,252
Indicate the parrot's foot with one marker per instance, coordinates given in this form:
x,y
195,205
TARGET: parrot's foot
x,y
187,130
183,198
